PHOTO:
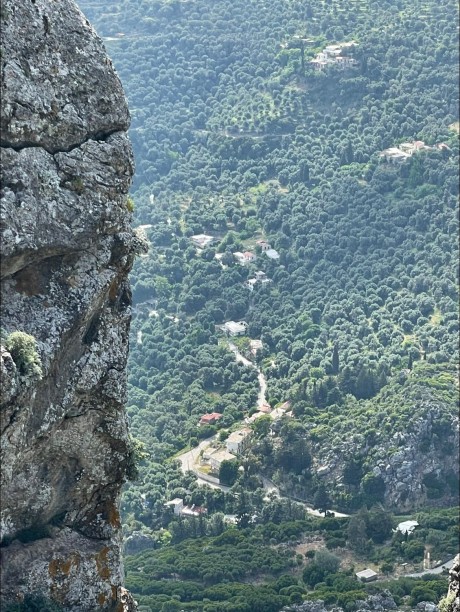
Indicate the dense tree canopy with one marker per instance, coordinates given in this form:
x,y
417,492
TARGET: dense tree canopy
x,y
237,136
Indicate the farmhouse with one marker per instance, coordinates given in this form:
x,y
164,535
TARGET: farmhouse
x,y
210,419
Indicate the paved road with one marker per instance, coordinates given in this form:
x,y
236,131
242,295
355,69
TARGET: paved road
x,y
435,570
262,398
189,458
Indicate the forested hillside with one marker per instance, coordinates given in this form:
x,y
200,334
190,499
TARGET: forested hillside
x,y
247,128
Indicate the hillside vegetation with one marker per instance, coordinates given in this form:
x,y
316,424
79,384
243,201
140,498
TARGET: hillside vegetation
x,y
239,136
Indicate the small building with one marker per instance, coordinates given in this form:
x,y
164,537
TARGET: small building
x,y
250,283
264,245
277,413
260,277
395,155
249,257
233,328
210,419
239,257
180,510
272,254
406,527
239,441
177,505
319,65
366,575
202,240
193,510
216,456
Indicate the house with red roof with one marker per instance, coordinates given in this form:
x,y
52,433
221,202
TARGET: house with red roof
x,y
210,419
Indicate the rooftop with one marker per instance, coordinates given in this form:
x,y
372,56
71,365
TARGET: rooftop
x,y
407,526
219,455
233,326
367,573
236,436
210,418
202,240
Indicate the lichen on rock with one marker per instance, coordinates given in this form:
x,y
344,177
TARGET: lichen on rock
x,y
66,250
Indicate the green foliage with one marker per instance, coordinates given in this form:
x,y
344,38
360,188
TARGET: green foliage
x,y
130,204
323,564
235,136
137,454
447,602
77,185
23,349
228,472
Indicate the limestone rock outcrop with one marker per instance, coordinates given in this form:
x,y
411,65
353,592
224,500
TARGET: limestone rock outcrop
x,y
66,250
451,603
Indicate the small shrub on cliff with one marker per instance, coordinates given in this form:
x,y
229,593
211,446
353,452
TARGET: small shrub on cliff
x,y
130,204
137,453
23,349
447,603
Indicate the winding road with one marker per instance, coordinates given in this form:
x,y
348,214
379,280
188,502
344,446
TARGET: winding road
x,y
262,397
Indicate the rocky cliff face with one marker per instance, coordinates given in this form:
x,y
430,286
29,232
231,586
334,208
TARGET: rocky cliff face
x,y
418,464
451,603
66,249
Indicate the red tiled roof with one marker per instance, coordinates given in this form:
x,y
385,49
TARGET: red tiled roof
x,y
210,417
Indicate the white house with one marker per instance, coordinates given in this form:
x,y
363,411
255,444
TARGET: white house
x,y
181,510
366,575
177,505
217,456
239,441
260,275
249,257
407,527
395,155
202,240
233,328
250,283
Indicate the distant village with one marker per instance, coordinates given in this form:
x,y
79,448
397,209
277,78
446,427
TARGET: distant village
x,y
202,241
405,150
332,56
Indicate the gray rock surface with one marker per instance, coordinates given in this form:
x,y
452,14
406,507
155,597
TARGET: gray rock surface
x,y
374,603
66,250
451,603
403,463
